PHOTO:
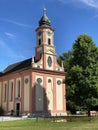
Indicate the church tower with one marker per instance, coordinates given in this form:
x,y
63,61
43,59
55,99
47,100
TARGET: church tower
x,y
45,48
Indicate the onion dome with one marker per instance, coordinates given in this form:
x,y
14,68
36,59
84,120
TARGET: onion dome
x,y
44,21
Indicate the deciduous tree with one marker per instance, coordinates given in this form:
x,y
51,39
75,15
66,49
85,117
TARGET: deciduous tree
x,y
82,74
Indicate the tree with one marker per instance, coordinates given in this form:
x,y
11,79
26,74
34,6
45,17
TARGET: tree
x,y
81,65
82,78
65,60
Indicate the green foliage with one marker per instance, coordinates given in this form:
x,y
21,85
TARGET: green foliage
x,y
82,74
65,59
1,111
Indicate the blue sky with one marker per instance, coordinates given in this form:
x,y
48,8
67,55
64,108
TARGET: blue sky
x,y
19,19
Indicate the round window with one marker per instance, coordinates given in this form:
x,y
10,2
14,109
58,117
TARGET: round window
x,y
26,80
39,80
59,82
49,80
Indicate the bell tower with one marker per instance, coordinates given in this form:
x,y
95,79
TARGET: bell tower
x,y
45,53
45,42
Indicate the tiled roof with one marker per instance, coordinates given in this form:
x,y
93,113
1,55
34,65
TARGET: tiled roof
x,y
17,67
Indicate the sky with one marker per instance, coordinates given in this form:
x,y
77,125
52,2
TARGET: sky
x,y
19,19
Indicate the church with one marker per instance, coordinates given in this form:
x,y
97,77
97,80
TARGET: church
x,y
35,85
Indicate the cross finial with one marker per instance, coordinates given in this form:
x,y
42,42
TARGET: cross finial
x,y
44,11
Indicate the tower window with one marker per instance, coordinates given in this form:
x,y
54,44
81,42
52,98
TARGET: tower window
x,y
39,42
49,41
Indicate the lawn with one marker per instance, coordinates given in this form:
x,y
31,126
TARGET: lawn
x,y
32,124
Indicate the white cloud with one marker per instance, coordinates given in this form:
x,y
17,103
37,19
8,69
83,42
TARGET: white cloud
x,y
8,52
89,3
16,23
10,35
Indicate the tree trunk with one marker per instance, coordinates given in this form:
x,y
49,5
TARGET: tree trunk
x,y
89,112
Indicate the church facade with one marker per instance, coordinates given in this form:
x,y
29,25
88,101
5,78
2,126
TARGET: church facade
x,y
35,85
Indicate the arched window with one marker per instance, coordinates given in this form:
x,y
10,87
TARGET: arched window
x,y
11,92
39,42
5,92
49,41
18,88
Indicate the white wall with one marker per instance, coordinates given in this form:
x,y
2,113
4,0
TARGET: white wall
x,y
4,104
26,93
16,92
10,103
49,93
59,95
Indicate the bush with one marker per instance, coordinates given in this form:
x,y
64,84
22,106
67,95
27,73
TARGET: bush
x,y
68,113
1,111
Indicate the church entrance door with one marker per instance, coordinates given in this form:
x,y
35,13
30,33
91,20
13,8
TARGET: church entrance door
x,y
17,109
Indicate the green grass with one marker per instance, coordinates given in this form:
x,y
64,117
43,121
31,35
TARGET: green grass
x,y
47,124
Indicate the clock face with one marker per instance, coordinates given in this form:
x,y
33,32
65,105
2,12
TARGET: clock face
x,y
49,61
49,33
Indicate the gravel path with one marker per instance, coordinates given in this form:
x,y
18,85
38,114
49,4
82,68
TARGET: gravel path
x,y
5,118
